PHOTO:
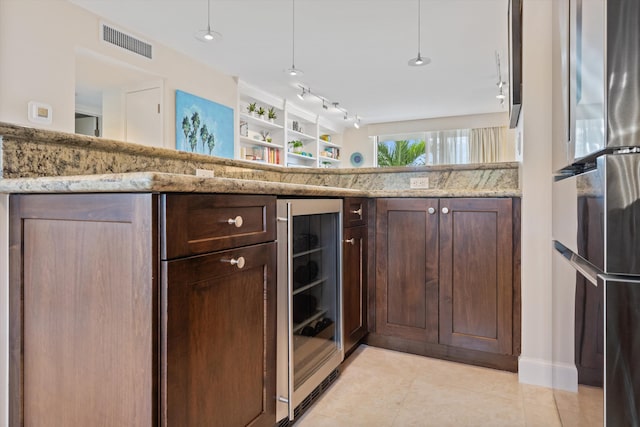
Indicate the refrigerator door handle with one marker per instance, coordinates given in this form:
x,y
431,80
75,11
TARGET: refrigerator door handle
x,y
585,268
290,308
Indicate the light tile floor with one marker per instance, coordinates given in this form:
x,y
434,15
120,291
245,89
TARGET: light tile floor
x,y
383,388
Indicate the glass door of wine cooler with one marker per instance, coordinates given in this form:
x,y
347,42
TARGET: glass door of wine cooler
x,y
309,288
315,292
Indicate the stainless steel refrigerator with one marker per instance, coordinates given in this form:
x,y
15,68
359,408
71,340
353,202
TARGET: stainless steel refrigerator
x,y
597,208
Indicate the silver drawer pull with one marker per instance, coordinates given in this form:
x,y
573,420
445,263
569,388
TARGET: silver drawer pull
x,y
431,211
238,262
358,212
445,210
351,240
237,221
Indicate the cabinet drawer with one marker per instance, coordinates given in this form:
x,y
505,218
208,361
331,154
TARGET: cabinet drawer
x,y
355,212
194,224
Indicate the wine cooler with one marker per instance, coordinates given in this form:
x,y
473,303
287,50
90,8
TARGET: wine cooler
x,y
309,302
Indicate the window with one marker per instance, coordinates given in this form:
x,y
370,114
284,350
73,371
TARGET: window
x,y
401,152
457,146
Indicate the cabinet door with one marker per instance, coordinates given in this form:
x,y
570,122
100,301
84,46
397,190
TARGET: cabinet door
x,y
476,274
407,268
354,285
219,347
82,310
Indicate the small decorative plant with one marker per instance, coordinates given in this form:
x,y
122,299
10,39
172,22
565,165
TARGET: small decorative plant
x,y
272,114
251,108
295,146
260,111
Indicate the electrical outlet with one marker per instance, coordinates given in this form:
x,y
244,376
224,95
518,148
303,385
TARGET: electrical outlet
x,y
204,173
419,182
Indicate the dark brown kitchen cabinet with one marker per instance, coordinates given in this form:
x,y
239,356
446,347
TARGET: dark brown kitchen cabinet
x,y
476,280
407,269
354,285
355,266
83,303
446,280
105,331
220,367
355,211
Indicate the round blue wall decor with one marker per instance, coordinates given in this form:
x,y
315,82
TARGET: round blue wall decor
x,y
357,159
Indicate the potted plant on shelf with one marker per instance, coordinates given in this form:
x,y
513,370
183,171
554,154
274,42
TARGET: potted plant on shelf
x,y
272,114
251,108
295,146
261,112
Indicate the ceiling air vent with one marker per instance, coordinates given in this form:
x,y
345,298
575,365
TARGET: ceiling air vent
x,y
126,41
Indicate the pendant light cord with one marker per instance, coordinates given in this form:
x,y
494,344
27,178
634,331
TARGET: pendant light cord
x,y
209,16
419,27
293,34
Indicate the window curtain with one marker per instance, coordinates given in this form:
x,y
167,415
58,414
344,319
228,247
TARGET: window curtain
x,y
487,145
447,147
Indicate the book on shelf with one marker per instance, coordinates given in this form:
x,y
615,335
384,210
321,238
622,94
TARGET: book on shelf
x,y
261,154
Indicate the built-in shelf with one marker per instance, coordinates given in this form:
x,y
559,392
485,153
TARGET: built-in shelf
x,y
300,156
260,122
328,144
328,159
249,141
292,134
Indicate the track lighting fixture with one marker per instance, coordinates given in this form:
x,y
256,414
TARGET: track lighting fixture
x,y
356,123
306,92
419,60
208,35
501,96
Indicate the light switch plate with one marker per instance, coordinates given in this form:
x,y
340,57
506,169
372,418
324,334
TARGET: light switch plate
x,y
39,112
422,182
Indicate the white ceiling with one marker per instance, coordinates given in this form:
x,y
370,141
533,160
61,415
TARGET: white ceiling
x,y
354,52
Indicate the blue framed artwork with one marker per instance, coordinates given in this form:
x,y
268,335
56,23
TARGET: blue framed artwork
x,y
203,126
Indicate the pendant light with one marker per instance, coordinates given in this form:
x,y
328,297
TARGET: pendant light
x,y
208,35
293,71
419,60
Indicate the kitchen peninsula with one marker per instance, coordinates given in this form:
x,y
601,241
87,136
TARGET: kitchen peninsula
x,y
170,297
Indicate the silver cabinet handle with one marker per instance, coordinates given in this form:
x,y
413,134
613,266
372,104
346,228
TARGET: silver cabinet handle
x,y
358,212
237,221
238,262
445,210
351,240
431,211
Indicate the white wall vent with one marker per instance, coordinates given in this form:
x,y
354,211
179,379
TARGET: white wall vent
x,y
126,41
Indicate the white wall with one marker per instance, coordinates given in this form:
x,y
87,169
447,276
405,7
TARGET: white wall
x,y
39,41
357,140
535,365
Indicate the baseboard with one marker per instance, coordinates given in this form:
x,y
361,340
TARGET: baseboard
x,y
547,374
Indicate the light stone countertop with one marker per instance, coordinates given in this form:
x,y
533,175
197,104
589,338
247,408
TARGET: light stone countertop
x,y
141,182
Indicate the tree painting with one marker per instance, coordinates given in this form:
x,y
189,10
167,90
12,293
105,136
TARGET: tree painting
x,y
208,139
186,128
203,126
